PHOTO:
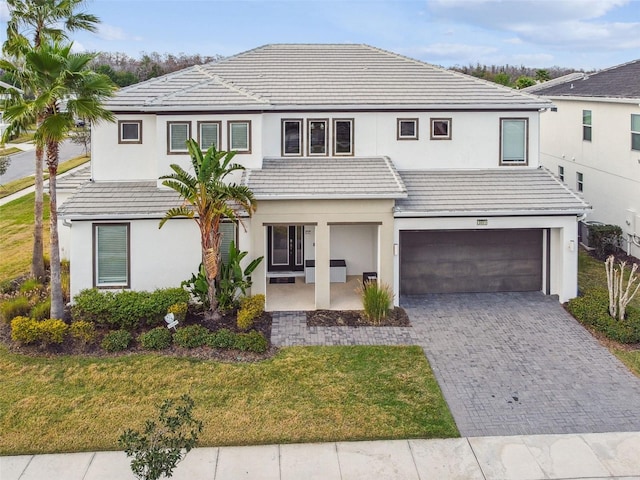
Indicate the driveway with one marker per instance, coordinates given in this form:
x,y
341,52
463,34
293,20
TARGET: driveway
x,y
517,363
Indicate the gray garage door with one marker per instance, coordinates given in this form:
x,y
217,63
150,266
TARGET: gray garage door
x,y
456,261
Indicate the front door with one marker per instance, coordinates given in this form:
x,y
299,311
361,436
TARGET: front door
x,y
286,248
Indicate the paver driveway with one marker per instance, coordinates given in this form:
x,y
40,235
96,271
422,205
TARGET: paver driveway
x,y
517,363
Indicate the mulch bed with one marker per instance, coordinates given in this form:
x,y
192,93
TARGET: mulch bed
x,y
355,318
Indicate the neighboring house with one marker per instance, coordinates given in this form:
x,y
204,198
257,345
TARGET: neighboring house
x,y
426,177
591,141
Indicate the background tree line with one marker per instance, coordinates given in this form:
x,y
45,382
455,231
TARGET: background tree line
x,y
512,75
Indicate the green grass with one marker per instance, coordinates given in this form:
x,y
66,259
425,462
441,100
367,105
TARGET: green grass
x,y
9,151
303,394
591,274
22,183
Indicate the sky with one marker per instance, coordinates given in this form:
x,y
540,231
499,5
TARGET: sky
x,y
579,34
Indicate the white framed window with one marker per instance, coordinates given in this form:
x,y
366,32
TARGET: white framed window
x,y
317,137
586,125
292,137
239,132
440,129
561,173
209,135
514,141
130,131
579,182
635,132
407,129
111,260
343,136
177,135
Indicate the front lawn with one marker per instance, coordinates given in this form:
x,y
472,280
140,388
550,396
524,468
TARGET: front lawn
x,y
303,394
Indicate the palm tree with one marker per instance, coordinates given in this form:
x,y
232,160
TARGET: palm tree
x,y
67,89
43,19
208,199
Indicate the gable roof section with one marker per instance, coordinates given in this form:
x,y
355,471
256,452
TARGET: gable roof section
x,y
326,178
298,76
621,81
495,192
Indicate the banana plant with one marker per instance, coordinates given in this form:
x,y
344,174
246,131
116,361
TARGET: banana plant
x,y
233,280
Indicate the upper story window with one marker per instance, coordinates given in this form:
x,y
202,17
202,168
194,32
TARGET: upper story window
x,y
586,125
407,129
111,255
177,135
635,131
343,136
514,141
130,131
440,129
239,132
579,182
292,137
318,137
561,173
209,135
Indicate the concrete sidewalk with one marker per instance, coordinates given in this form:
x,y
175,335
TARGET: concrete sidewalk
x,y
586,456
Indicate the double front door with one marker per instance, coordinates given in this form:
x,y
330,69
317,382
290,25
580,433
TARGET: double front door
x,y
285,248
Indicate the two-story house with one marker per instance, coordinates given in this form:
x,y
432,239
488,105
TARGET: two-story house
x,y
361,161
591,141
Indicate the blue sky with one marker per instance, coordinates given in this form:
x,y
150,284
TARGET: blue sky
x,y
578,34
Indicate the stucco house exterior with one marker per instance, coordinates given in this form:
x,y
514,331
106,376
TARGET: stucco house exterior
x,y
591,141
362,161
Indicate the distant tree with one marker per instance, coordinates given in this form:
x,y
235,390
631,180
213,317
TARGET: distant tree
x,y
82,136
542,75
5,161
524,82
503,79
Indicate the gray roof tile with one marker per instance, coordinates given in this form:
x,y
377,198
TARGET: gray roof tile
x,y
74,179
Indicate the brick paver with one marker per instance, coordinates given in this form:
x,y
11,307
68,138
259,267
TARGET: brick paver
x,y
507,363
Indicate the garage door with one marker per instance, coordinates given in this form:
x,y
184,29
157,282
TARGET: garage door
x,y
456,261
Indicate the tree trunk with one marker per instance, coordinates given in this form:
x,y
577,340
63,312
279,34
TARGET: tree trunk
x,y
211,261
57,301
37,260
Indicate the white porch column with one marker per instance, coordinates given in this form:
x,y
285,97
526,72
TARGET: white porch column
x,y
323,248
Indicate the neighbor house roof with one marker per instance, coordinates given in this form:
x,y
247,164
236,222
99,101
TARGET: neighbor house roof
x,y
621,81
325,178
74,179
504,191
298,76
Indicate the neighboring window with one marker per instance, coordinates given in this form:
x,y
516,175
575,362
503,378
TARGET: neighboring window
x,y
407,129
291,137
586,125
209,135
229,234
561,173
635,132
343,137
178,133
130,131
317,137
111,255
440,129
579,182
240,136
513,141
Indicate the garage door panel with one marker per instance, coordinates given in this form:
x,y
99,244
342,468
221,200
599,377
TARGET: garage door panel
x,y
470,261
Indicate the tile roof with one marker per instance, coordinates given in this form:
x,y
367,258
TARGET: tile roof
x,y
325,178
290,76
621,81
500,191
74,179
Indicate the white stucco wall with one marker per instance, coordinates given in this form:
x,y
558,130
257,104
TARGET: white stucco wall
x,y
358,244
611,170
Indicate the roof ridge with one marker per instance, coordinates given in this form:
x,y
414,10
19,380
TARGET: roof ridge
x,y
231,86
392,168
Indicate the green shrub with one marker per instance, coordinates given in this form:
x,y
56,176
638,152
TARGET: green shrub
x,y
223,338
14,307
160,302
52,331
251,342
179,311
41,310
192,336
84,332
116,341
606,239
377,299
592,309
158,338
250,309
31,286
25,330
92,305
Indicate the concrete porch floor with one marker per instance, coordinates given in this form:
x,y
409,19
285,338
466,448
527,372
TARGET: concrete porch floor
x,y
298,296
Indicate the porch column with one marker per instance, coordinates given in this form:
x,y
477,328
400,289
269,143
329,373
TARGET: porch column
x,y
323,248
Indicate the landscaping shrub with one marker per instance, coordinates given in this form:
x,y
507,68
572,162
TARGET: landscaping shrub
x,y
592,309
92,305
84,332
179,311
25,330
158,338
192,336
606,239
377,299
52,331
31,287
250,309
41,310
198,286
116,341
14,307
251,342
223,338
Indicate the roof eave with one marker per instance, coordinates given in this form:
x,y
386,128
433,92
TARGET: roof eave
x,y
307,196
594,99
491,213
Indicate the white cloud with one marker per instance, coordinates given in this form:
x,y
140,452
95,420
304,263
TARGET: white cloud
x,y
109,32
4,12
78,47
533,59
